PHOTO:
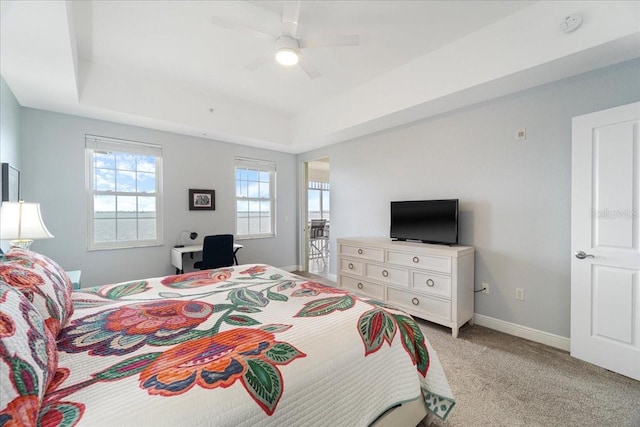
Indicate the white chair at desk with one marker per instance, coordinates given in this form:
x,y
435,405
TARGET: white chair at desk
x,y
177,253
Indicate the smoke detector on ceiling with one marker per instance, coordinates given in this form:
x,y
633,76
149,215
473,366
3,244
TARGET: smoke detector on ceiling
x,y
571,23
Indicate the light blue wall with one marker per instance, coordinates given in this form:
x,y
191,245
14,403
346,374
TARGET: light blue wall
x,y
514,196
9,132
54,175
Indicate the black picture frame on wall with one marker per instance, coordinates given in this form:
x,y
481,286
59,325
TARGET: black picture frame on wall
x,y
10,183
202,200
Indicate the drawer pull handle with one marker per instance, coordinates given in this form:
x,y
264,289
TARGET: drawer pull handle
x,y
350,266
359,251
416,259
385,273
415,301
430,283
360,286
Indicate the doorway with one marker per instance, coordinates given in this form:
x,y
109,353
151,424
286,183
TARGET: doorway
x,y
317,220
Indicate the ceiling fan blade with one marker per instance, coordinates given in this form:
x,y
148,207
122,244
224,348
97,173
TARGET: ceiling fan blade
x,y
290,16
308,67
261,60
221,22
352,40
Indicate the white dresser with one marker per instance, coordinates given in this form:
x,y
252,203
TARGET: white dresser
x,y
433,282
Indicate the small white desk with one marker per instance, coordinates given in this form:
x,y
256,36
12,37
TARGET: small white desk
x,y
177,253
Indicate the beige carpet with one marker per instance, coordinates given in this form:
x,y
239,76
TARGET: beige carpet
x,y
501,380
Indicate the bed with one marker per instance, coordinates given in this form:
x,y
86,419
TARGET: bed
x,y
240,346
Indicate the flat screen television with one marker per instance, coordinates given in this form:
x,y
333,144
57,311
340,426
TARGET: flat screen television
x,y
428,221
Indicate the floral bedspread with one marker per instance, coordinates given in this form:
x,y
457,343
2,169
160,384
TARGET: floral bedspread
x,y
241,346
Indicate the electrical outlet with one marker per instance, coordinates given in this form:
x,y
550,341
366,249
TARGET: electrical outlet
x,y
485,288
520,294
521,135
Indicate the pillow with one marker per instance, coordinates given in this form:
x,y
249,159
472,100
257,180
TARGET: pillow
x,y
28,358
43,282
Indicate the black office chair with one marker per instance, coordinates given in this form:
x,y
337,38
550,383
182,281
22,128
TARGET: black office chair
x,y
217,251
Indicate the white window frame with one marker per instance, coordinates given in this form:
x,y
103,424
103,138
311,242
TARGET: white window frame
x,y
322,187
260,166
94,144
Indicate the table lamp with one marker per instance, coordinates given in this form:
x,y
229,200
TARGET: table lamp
x,y
179,243
22,223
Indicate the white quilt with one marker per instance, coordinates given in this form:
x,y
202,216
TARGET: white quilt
x,y
248,345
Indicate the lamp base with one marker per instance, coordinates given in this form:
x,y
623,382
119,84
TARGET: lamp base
x,y
22,243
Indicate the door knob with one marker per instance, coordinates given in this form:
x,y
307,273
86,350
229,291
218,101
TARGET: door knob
x,y
582,255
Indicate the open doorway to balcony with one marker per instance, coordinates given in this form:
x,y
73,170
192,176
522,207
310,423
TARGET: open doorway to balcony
x,y
318,216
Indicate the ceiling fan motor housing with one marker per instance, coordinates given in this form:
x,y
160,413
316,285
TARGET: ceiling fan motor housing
x,y
287,42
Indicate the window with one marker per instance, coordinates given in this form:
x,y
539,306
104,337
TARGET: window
x,y
255,198
124,191
318,200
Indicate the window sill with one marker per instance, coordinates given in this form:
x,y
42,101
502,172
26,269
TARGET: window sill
x,y
255,236
108,248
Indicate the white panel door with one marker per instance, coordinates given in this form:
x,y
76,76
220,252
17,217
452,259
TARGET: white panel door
x,y
605,239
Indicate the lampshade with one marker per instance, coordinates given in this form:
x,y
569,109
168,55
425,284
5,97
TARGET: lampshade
x,y
22,222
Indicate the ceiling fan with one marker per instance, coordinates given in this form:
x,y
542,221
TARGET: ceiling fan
x,y
288,49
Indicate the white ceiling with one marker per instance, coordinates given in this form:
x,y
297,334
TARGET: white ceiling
x,y
176,41
164,65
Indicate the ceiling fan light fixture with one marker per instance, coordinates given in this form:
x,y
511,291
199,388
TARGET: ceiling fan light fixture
x,y
287,56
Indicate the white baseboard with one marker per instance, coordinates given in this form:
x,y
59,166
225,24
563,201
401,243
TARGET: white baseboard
x,y
525,332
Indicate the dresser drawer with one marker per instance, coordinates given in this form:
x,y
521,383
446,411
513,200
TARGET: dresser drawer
x,y
431,307
433,284
363,252
351,266
359,286
429,262
392,275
